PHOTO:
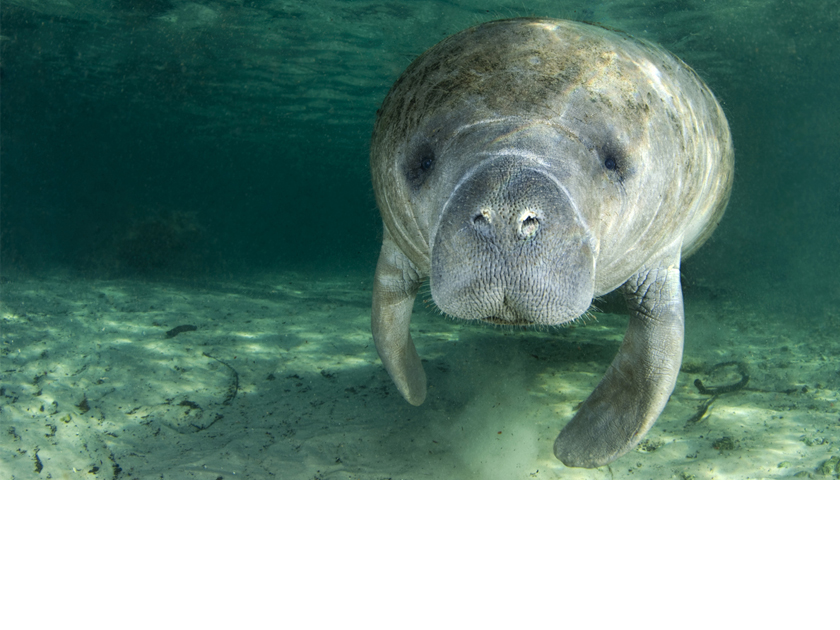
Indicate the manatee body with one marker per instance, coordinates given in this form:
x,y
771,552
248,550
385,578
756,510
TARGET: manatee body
x,y
526,166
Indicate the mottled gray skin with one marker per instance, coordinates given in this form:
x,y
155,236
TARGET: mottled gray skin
x,y
526,166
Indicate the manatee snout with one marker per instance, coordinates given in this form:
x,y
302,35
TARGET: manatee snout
x,y
510,248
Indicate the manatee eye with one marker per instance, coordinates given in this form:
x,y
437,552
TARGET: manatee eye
x,y
610,163
419,165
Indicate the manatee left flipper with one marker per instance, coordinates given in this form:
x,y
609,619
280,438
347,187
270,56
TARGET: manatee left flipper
x,y
394,289
633,392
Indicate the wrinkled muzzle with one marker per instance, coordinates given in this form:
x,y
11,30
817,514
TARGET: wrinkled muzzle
x,y
510,248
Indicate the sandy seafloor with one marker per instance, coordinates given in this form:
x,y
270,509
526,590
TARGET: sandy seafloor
x,y
280,380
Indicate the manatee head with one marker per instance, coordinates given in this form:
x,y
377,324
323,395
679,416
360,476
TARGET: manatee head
x,y
506,158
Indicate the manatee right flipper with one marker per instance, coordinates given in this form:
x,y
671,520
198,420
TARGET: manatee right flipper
x,y
394,289
638,383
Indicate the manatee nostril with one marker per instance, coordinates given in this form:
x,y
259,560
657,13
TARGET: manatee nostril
x,y
482,219
528,224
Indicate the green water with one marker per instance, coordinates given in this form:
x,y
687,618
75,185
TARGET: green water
x,y
246,126
163,139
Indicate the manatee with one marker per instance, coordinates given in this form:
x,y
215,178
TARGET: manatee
x,y
527,166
